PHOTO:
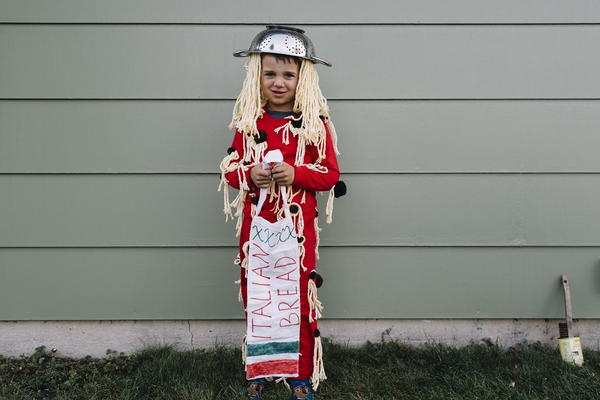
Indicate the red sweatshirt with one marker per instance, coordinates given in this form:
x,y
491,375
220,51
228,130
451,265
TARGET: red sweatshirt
x,y
305,179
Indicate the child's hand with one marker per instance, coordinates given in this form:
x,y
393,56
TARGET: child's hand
x,y
283,174
260,177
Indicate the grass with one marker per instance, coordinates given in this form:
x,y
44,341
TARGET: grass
x,y
385,370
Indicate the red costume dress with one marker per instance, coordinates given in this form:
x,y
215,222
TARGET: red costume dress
x,y
314,175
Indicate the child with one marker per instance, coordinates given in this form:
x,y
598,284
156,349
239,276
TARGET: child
x,y
281,108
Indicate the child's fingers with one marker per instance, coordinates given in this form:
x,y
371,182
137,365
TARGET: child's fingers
x,y
263,172
280,170
282,180
261,183
280,167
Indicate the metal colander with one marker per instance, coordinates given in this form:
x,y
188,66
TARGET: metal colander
x,y
286,40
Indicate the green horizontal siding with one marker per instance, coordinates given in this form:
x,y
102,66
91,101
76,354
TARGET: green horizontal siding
x,y
307,11
375,136
91,283
406,210
111,129
398,62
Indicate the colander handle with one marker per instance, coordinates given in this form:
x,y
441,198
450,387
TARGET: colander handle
x,y
321,61
241,53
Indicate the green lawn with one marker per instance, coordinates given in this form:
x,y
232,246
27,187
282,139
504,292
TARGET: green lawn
x,y
386,370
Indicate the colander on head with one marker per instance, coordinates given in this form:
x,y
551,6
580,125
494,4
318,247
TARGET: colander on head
x,y
286,40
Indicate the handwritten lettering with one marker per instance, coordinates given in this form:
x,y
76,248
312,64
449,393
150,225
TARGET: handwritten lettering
x,y
258,325
258,298
292,320
260,271
288,292
287,276
284,262
260,310
283,306
273,301
261,254
272,239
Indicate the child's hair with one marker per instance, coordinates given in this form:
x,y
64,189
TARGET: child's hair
x,y
309,102
284,58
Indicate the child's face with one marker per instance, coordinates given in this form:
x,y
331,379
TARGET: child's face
x,y
278,81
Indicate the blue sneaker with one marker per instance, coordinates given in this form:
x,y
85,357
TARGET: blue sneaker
x,y
255,388
302,389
